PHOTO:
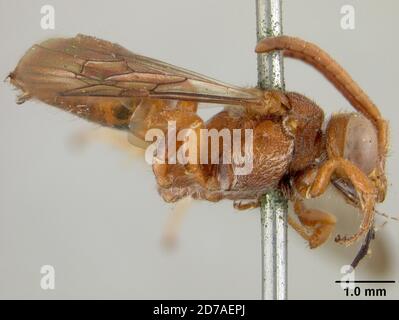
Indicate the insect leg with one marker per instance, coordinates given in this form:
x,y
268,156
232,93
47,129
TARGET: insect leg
x,y
315,226
246,205
314,183
174,222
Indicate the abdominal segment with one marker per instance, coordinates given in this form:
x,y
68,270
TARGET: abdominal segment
x,y
270,156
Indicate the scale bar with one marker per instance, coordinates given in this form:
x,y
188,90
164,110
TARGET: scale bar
x,y
365,281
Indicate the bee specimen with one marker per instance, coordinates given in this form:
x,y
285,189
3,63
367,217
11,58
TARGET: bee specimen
x,y
107,84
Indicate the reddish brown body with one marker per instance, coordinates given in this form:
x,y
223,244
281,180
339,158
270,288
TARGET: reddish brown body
x,y
283,145
109,85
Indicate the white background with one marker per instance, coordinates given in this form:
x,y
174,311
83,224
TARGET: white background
x,y
94,212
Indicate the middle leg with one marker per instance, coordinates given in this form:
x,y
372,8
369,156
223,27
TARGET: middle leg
x,y
315,226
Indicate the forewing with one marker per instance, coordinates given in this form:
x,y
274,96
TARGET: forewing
x,y
85,66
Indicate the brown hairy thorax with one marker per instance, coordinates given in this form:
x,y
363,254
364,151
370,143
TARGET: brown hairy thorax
x,y
107,84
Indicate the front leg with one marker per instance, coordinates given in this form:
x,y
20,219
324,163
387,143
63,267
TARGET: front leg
x,y
314,182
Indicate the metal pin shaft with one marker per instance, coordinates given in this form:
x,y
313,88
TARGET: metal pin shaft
x,y
273,204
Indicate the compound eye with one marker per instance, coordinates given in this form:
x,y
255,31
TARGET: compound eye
x,y
353,137
361,143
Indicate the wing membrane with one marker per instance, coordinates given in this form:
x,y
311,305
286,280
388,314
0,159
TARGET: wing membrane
x,y
85,66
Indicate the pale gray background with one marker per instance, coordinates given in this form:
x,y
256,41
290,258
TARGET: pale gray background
x,y
94,213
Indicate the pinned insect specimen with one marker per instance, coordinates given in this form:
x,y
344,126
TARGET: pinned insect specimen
x,y
105,83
